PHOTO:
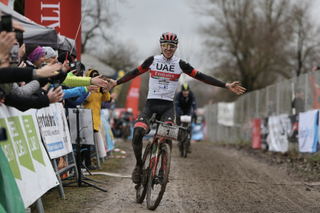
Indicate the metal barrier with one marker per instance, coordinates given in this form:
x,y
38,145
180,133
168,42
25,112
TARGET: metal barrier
x,y
275,99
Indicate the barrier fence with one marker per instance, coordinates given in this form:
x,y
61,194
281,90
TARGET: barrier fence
x,y
274,100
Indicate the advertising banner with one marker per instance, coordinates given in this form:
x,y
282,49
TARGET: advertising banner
x,y
308,131
256,133
54,130
292,128
85,126
106,131
226,114
63,16
27,157
277,139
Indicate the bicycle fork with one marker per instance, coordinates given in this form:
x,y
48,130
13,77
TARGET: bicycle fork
x,y
155,158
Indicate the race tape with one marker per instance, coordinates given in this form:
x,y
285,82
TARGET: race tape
x,y
119,156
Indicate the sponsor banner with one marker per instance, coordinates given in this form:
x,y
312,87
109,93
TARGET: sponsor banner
x,y
106,131
264,132
63,16
27,157
133,96
197,131
309,131
85,126
256,133
277,139
226,114
54,130
292,128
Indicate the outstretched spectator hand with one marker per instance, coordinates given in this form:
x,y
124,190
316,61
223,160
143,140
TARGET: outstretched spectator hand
x,y
55,95
7,40
92,88
22,64
17,26
234,87
98,81
65,66
48,70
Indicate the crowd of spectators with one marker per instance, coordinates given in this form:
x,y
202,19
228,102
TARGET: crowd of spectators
x,y
41,76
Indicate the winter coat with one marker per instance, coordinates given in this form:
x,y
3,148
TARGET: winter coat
x,y
94,101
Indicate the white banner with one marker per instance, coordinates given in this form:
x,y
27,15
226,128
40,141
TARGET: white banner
x,y
54,130
308,131
85,126
226,113
277,138
27,157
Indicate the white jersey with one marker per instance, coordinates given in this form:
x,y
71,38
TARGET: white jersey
x,y
164,78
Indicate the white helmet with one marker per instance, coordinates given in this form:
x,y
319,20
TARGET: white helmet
x,y
129,110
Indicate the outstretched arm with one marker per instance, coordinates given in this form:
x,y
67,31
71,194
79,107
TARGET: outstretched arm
x,y
189,70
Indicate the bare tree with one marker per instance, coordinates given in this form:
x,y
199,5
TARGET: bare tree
x,y
252,41
99,18
120,56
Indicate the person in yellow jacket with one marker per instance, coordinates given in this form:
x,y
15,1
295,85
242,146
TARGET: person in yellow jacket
x,y
94,102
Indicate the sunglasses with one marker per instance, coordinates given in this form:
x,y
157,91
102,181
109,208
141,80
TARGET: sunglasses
x,y
166,45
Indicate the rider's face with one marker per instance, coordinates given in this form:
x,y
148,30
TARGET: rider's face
x,y
185,93
168,52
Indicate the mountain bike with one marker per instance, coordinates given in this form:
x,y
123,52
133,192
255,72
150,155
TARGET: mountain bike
x,y
156,162
184,144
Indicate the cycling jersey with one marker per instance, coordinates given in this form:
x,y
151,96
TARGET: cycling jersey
x,y
165,74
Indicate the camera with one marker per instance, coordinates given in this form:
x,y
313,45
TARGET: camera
x,y
14,55
6,23
19,36
56,84
76,66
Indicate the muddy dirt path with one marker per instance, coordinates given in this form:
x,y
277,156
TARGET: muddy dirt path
x,y
215,179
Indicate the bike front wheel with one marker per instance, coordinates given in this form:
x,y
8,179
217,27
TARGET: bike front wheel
x,y
141,188
185,148
158,178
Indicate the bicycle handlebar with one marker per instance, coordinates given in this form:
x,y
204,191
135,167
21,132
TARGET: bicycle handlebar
x,y
153,120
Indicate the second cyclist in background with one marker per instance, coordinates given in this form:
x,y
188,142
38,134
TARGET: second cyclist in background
x,y
185,104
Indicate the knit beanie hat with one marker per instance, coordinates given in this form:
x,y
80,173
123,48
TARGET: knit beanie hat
x,y
34,52
49,52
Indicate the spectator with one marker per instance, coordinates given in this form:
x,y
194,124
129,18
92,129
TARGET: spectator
x,y
298,102
94,102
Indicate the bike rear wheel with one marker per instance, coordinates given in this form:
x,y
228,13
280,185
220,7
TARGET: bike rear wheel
x,y
158,181
141,188
186,147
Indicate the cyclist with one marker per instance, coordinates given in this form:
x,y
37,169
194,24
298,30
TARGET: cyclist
x,y
185,104
165,70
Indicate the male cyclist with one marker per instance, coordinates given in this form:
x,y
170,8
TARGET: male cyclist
x,y
165,70
185,104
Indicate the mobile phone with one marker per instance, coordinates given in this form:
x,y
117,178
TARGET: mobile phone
x,y
14,55
19,36
56,84
6,23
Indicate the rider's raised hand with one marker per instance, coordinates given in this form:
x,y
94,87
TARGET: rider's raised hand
x,y
111,84
234,87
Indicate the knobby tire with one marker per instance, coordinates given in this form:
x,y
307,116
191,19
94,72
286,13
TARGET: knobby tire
x,y
157,184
